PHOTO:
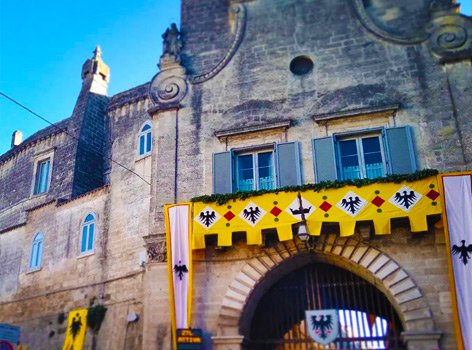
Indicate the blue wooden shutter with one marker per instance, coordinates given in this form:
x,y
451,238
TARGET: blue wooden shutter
x,y
324,159
223,179
400,152
288,164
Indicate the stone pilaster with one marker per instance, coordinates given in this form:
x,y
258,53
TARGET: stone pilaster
x,y
421,340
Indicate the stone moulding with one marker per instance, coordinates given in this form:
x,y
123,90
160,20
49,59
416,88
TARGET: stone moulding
x,y
387,109
367,22
254,128
240,11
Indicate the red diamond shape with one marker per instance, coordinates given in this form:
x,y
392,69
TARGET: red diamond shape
x,y
432,195
275,211
378,201
229,215
325,206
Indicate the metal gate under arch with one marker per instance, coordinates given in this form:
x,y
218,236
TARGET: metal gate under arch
x,y
367,320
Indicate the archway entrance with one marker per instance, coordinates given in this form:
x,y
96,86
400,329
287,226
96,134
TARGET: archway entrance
x,y
278,320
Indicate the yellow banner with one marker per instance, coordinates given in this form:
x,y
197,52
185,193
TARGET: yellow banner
x,y
378,202
76,328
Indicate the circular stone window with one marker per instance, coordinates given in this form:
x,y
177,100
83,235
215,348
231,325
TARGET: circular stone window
x,y
301,65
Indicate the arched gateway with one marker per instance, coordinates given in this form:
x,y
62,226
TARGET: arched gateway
x,y
377,303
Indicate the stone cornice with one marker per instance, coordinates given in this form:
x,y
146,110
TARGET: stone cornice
x,y
285,124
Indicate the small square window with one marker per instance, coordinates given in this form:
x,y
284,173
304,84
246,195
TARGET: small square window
x,y
42,176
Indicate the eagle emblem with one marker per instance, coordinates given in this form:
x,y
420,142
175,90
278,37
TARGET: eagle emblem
x,y
75,325
463,251
405,198
252,214
180,270
323,325
351,204
207,217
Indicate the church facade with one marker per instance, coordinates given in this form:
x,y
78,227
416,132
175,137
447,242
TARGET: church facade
x,y
251,95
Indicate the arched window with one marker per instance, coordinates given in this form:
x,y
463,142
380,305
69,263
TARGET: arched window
x,y
88,231
145,139
36,251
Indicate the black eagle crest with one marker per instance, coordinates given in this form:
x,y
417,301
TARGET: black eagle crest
x,y
351,205
252,214
180,270
207,218
298,211
463,251
75,326
406,199
324,324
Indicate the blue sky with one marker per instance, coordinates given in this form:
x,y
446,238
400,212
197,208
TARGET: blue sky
x,y
43,45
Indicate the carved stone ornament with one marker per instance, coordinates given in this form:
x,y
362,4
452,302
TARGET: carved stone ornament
x,y
451,36
172,43
240,11
167,90
156,248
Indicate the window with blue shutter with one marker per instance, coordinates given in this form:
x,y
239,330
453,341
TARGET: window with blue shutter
x,y
366,154
257,168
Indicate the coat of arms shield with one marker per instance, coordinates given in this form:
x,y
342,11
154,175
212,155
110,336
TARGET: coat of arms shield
x,y
323,325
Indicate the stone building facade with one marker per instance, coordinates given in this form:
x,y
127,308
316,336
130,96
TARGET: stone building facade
x,y
241,78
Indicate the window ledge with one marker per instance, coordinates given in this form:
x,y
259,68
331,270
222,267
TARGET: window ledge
x,y
285,124
39,194
377,110
85,254
144,156
36,269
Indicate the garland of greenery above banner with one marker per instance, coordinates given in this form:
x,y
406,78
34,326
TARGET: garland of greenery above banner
x,y
221,199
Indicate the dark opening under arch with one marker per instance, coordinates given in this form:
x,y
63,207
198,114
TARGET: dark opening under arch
x,y
367,320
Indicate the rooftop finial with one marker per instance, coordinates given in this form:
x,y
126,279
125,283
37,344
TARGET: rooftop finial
x,y
95,73
97,52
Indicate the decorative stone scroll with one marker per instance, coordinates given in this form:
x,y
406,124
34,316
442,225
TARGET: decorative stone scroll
x,y
370,25
167,91
448,33
451,36
240,11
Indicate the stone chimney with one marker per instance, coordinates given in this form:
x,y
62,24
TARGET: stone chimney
x,y
16,138
95,74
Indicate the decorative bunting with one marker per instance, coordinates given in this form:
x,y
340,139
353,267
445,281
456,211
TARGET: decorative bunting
x,y
378,202
179,262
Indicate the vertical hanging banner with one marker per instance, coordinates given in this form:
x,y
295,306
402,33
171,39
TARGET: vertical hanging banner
x,y
179,264
458,213
76,327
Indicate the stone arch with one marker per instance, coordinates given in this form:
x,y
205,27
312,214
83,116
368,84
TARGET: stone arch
x,y
366,261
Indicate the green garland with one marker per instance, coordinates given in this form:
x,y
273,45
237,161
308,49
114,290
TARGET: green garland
x,y
221,199
95,317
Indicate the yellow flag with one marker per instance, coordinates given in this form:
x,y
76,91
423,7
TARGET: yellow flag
x,y
76,327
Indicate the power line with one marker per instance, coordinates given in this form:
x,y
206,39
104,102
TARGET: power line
x,y
70,135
